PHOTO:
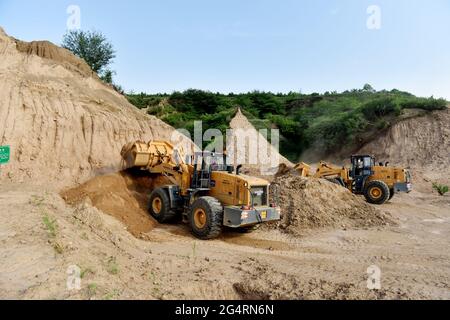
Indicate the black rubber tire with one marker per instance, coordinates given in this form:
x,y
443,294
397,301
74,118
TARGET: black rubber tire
x,y
166,214
249,229
382,186
214,218
391,193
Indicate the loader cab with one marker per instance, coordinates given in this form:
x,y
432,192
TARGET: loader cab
x,y
362,168
204,164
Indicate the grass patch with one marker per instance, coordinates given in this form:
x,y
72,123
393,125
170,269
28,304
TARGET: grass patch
x,y
111,266
92,289
441,189
50,225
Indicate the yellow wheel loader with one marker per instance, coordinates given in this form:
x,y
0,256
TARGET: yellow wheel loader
x,y
207,193
378,183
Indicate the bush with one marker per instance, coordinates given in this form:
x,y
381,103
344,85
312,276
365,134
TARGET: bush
x,y
379,108
425,104
442,190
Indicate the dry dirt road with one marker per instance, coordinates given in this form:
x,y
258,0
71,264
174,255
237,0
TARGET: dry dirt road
x,y
42,239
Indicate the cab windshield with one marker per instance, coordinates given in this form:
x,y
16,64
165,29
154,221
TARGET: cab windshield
x,y
213,161
368,162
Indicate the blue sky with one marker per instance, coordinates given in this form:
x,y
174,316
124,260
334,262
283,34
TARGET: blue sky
x,y
243,45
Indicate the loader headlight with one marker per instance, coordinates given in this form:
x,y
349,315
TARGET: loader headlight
x,y
278,209
244,215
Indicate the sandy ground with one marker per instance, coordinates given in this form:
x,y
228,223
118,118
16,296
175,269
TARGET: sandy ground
x,y
170,264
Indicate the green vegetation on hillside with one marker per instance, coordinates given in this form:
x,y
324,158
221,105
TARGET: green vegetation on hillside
x,y
329,120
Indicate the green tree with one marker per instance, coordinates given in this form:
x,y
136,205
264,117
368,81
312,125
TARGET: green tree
x,y
367,87
92,47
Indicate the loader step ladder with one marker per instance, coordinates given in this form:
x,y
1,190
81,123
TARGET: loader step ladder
x,y
202,179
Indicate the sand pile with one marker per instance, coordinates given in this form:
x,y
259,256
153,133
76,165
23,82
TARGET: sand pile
x,y
255,139
63,124
122,195
309,203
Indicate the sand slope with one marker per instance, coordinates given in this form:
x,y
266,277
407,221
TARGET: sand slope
x,y
63,124
255,141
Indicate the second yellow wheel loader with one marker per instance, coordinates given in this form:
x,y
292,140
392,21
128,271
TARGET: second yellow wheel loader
x,y
378,183
208,194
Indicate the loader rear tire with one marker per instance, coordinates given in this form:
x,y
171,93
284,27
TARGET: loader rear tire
x,y
377,192
159,206
206,218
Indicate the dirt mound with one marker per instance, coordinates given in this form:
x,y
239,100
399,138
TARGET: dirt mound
x,y
122,195
255,139
309,203
48,50
63,124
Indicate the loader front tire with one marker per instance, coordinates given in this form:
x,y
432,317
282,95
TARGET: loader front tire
x,y
159,206
206,218
377,192
391,194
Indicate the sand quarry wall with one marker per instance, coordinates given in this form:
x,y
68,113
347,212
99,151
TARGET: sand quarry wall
x,y
62,123
422,142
